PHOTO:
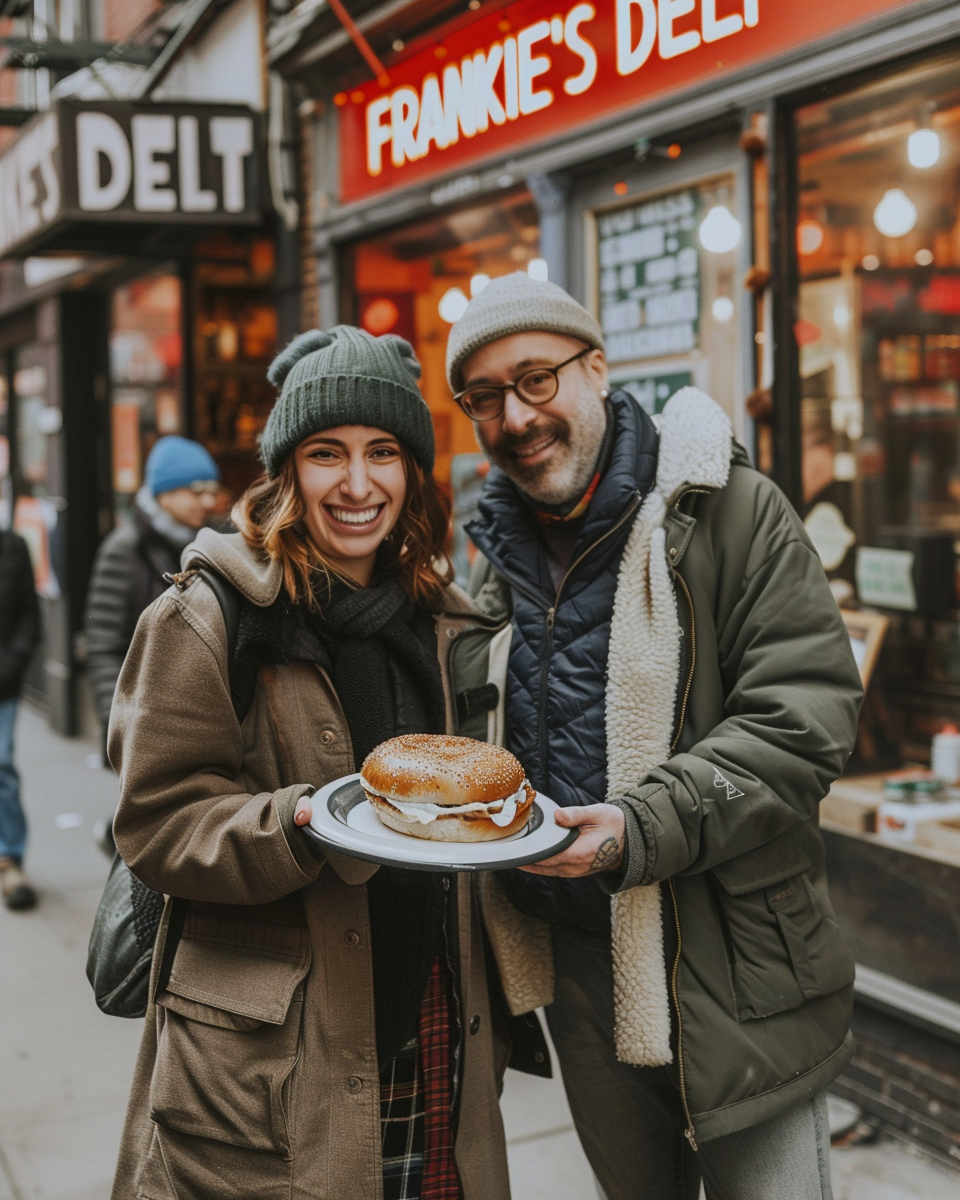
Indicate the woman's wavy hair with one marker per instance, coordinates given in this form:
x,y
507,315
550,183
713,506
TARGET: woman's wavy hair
x,y
270,515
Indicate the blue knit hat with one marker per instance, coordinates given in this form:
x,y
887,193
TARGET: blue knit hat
x,y
176,462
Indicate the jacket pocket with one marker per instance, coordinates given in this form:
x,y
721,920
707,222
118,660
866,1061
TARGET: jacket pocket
x,y
784,942
229,1033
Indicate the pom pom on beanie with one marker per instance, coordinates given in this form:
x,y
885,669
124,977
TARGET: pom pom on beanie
x,y
305,343
346,376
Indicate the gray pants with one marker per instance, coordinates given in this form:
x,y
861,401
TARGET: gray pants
x,y
630,1119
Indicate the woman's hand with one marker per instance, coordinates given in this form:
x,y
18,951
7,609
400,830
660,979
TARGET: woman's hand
x,y
304,811
598,848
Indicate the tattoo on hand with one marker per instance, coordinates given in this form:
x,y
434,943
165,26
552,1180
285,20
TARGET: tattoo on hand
x,y
607,854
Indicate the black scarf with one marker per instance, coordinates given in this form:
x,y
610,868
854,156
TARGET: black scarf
x,y
387,677
384,670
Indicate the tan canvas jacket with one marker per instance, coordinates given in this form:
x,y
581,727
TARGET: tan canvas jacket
x,y
257,1074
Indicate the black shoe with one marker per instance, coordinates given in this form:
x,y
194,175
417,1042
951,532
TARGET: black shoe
x,y
17,893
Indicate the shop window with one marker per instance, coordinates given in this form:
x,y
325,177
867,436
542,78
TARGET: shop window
x,y
417,280
146,356
665,273
235,341
878,335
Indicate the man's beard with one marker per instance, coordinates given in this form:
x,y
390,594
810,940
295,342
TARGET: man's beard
x,y
567,473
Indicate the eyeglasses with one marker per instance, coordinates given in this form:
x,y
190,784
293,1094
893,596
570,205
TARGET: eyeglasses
x,y
204,487
537,386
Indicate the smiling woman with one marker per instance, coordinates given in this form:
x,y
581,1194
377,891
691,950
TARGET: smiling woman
x,y
343,595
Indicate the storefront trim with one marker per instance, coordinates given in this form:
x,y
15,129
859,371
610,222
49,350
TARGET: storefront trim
x,y
913,1004
892,36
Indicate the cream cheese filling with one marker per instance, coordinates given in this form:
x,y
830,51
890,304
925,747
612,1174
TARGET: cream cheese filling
x,y
426,812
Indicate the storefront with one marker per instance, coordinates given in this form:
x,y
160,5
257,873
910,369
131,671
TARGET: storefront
x,y
761,199
137,299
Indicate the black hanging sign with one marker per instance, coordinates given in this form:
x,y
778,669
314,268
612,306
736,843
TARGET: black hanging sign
x,y
81,175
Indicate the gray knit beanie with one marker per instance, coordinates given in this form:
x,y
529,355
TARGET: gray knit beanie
x,y
516,304
346,377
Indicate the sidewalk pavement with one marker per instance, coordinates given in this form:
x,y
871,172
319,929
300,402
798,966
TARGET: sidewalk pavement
x,y
65,1068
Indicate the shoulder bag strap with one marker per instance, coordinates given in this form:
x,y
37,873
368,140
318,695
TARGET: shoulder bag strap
x,y
242,683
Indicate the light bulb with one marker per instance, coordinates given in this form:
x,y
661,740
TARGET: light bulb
x,y
720,230
453,304
722,309
478,283
923,148
809,236
537,269
870,262
896,214
924,257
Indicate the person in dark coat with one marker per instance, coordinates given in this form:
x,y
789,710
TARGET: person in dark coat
x,y
19,634
680,681
180,492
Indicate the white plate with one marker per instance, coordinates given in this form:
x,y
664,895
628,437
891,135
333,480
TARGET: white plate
x,y
344,820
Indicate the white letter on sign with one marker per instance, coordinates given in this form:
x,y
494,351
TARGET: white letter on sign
x,y
231,139
714,30
193,198
152,134
530,68
672,44
511,87
99,134
459,108
631,57
378,134
485,70
405,109
431,127
579,45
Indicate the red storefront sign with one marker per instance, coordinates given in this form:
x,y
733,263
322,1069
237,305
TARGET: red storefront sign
x,y
538,68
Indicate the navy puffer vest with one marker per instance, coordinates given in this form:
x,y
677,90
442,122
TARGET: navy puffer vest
x,y
556,679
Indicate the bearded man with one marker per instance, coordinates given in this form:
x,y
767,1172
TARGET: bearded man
x,y
681,682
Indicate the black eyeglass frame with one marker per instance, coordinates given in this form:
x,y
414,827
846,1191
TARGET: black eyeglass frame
x,y
514,387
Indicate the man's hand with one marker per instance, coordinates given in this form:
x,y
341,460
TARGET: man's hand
x,y
304,811
598,848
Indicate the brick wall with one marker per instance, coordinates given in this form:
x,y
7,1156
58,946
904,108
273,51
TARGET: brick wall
x,y
121,17
908,1080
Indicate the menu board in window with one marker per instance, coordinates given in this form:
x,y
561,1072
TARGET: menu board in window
x,y
649,276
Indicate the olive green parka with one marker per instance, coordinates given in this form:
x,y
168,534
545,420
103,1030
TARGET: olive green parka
x,y
760,717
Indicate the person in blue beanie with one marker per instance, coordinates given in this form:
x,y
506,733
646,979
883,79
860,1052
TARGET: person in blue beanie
x,y
179,493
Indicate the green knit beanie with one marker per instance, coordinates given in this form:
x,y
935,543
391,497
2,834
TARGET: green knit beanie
x,y
346,377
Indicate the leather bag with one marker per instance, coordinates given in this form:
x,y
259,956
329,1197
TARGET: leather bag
x,y
120,954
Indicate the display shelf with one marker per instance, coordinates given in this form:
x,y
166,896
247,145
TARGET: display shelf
x,y
850,808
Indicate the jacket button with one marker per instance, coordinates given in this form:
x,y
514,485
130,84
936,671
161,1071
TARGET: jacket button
x,y
672,554
474,1023
354,1084
352,938
446,883
538,1056
328,737
451,633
